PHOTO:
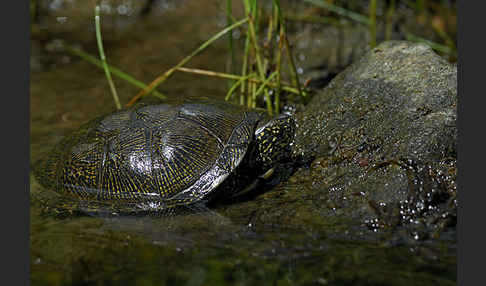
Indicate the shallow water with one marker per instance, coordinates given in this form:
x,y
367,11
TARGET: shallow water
x,y
269,240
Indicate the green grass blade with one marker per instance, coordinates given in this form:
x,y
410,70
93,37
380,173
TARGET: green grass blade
x,y
115,71
250,8
184,61
251,78
372,25
235,86
244,68
433,45
268,100
283,37
209,42
389,20
229,22
341,11
103,58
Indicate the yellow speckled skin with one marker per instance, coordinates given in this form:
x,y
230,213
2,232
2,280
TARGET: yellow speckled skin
x,y
154,155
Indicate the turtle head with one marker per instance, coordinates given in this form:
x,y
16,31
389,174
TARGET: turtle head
x,y
274,138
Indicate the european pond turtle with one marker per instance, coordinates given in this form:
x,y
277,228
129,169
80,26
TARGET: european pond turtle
x,y
159,156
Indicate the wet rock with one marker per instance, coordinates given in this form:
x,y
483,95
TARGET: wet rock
x,y
324,51
382,136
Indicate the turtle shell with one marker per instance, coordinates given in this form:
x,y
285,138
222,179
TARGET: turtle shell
x,y
152,155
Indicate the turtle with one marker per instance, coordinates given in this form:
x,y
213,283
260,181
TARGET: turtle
x,y
160,156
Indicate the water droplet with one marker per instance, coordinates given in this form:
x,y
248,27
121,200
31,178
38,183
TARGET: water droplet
x,y
122,9
61,20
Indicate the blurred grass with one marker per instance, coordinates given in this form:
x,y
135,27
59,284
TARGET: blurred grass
x,y
267,63
420,8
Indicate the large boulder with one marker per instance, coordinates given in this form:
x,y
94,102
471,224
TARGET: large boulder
x,y
382,136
